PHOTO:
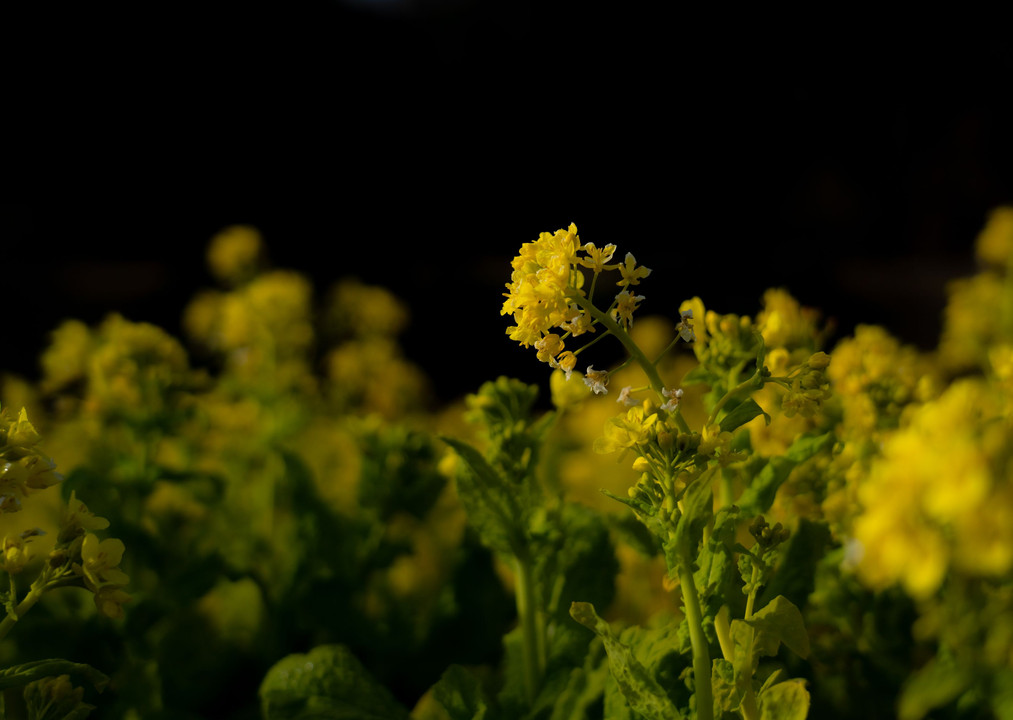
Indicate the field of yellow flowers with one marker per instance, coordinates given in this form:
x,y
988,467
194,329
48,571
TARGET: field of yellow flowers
x,y
268,517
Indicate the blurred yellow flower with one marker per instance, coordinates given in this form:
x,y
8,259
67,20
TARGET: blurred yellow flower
x,y
234,253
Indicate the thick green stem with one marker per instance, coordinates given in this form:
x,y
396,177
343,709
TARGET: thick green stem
x,y
24,606
527,612
632,348
701,651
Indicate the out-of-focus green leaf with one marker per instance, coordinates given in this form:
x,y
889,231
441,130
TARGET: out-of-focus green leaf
x,y
937,683
788,700
759,496
796,574
399,472
19,675
488,501
584,687
641,690
462,696
326,683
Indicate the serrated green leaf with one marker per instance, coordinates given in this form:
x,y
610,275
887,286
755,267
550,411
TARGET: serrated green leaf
x,y
20,675
641,690
488,501
788,700
727,696
462,696
327,683
741,414
584,687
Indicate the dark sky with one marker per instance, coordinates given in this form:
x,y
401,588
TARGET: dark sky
x,y
418,145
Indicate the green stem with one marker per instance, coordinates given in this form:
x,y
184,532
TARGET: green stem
x,y
701,651
744,385
749,708
527,613
632,348
24,606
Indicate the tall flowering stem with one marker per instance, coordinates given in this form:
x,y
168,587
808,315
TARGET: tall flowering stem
x,y
631,347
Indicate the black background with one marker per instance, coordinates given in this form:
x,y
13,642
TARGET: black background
x,y
417,145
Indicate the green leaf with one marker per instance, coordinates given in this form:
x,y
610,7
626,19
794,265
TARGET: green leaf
x,y
697,509
700,375
936,684
488,501
641,690
327,683
584,687
462,696
759,496
788,700
780,622
796,574
741,414
19,675
727,696
808,445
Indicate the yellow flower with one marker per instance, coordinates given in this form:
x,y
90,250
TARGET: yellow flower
x,y
234,253
995,242
15,556
109,601
624,431
566,392
596,258
783,322
77,519
548,347
632,275
544,275
566,362
65,360
626,306
99,561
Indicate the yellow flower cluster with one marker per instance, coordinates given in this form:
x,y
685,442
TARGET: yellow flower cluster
x,y
941,494
979,313
23,467
125,368
546,293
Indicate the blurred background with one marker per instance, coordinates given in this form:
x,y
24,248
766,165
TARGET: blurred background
x,y
416,144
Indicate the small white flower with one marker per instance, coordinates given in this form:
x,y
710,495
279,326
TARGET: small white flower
x,y
624,397
596,380
674,396
685,326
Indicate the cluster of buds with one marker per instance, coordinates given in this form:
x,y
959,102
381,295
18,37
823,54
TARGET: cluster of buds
x,y
56,698
809,387
23,467
767,536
